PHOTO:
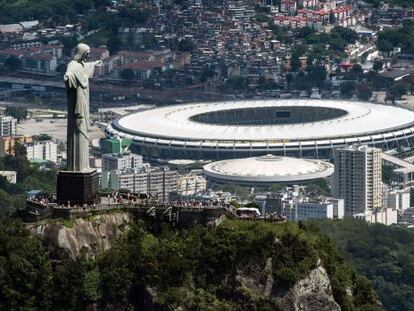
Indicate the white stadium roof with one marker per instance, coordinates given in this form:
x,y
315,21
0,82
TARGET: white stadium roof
x,y
268,169
174,122
304,128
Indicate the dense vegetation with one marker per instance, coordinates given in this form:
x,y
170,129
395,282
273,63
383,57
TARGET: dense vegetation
x,y
17,112
385,255
195,268
337,39
62,11
390,38
403,3
29,177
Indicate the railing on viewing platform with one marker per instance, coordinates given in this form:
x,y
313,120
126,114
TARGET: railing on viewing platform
x,y
192,209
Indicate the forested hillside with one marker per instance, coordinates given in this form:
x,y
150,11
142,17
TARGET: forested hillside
x,y
383,254
237,266
404,3
60,11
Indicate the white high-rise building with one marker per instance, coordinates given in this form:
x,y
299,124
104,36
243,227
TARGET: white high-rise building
x,y
358,178
44,150
8,126
121,162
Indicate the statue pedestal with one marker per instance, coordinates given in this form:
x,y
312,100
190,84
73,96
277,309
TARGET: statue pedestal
x,y
77,187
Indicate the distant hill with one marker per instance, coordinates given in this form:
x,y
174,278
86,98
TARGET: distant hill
x,y
61,11
403,3
385,255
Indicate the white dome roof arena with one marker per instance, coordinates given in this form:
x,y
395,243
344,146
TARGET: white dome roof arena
x,y
267,170
222,130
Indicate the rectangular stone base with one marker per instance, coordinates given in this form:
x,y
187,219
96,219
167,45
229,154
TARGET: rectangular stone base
x,y
77,188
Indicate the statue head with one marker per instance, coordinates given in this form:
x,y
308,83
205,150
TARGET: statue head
x,y
82,51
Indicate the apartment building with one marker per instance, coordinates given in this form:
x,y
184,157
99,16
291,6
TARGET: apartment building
x,y
44,150
121,161
358,178
8,126
8,143
157,181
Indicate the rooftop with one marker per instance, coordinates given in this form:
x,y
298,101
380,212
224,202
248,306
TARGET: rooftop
x,y
341,119
268,168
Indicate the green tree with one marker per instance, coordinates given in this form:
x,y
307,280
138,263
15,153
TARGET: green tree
x,y
186,45
29,177
207,73
363,92
337,44
347,89
69,43
332,18
43,137
132,15
385,46
13,63
294,61
347,34
390,38
377,66
238,83
25,271
116,275
76,284
397,91
252,204
357,69
235,204
302,82
61,68
17,112
128,74
305,32
317,74
114,45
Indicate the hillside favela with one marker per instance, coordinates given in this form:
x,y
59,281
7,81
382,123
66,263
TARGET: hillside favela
x,y
207,155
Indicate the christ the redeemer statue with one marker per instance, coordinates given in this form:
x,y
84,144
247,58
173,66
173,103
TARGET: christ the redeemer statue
x,y
76,79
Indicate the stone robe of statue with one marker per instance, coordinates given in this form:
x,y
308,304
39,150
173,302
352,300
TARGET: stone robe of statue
x,y
76,79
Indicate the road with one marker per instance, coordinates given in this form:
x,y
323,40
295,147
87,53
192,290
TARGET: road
x,y
28,81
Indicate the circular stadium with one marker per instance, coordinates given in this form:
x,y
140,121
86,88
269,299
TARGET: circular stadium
x,y
267,170
300,128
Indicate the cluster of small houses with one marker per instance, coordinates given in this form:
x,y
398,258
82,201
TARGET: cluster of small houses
x,y
228,40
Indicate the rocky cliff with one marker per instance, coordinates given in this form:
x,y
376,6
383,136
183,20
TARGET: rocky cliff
x,y
311,293
95,235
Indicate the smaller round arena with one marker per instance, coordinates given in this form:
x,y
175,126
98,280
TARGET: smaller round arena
x,y
267,170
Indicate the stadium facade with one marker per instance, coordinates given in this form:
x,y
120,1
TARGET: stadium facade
x,y
299,128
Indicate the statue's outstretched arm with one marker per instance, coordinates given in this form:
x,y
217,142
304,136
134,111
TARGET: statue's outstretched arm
x,y
90,67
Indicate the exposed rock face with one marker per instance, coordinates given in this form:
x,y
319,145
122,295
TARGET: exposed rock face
x,y
311,293
95,235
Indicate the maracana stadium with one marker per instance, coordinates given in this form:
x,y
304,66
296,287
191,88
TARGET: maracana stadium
x,y
238,129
